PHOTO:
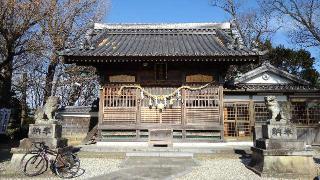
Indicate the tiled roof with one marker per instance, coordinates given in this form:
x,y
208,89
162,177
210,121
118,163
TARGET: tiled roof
x,y
163,40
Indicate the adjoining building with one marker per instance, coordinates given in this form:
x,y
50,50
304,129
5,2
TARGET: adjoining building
x,y
143,67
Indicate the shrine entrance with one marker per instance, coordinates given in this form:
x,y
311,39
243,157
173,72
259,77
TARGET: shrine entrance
x,y
194,116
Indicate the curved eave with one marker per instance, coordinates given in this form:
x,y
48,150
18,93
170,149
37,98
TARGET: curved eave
x,y
110,59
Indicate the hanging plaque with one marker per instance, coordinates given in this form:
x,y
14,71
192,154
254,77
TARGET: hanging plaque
x,y
199,78
4,119
122,78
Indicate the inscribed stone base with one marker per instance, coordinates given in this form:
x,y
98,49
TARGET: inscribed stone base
x,y
279,131
45,131
287,144
283,164
48,133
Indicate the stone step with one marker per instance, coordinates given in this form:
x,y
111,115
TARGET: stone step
x,y
158,162
159,154
127,147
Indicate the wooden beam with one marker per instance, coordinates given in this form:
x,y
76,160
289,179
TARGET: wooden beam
x,y
125,126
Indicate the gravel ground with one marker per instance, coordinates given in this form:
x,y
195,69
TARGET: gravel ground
x,y
91,167
220,169
228,166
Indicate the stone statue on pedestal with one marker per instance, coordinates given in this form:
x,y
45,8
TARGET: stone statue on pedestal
x,y
275,112
279,153
45,114
46,128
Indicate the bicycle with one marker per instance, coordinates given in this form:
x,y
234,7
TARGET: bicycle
x,y
65,164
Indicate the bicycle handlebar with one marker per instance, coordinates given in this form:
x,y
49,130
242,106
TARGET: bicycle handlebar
x,y
40,145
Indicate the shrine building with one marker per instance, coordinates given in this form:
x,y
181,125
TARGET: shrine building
x,y
172,76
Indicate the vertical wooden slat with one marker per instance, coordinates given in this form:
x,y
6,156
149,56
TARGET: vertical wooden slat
x,y
138,106
220,94
308,118
251,112
101,104
183,113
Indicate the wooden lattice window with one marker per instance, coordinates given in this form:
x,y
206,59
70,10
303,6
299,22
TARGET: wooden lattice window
x,y
261,113
202,106
161,71
314,114
202,98
126,99
304,115
119,108
236,119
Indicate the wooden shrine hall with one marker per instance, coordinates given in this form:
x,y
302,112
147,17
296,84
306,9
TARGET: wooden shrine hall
x,y
166,76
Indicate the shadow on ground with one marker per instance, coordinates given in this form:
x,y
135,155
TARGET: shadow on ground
x,y
5,154
244,156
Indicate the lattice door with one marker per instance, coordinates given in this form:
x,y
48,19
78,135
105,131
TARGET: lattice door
x,y
304,114
168,115
261,113
236,119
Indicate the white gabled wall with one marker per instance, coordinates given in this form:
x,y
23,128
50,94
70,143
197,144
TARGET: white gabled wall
x,y
268,78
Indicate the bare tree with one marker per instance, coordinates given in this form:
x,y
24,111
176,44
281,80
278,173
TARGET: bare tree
x,y
65,23
305,15
17,36
253,24
78,85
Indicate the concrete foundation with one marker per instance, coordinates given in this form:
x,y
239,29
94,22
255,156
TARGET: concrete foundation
x,y
291,164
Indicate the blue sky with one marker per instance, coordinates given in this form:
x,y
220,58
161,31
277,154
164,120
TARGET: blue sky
x,y
172,11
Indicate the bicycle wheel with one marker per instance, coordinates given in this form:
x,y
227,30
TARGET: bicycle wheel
x,y
26,157
67,166
35,165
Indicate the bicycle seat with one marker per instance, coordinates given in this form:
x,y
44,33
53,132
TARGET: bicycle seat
x,y
65,149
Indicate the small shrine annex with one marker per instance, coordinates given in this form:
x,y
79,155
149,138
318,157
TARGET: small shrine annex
x,y
172,76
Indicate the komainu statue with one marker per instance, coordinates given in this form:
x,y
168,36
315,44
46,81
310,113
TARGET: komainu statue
x,y
275,112
46,113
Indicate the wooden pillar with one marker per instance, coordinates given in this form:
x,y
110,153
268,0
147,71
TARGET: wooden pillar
x,y
251,114
101,104
221,104
183,113
101,109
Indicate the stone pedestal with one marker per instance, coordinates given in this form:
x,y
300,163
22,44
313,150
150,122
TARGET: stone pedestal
x,y
50,134
279,154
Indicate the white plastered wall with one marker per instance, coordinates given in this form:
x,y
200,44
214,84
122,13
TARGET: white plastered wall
x,y
267,78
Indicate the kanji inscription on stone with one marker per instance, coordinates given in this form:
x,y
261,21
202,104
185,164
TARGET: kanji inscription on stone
x,y
36,131
42,131
279,132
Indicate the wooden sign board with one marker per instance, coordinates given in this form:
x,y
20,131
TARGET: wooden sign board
x,y
196,78
4,119
122,78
